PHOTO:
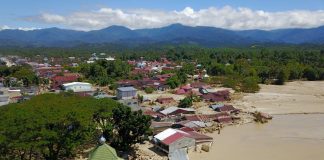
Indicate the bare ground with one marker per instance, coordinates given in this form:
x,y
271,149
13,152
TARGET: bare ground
x,y
293,97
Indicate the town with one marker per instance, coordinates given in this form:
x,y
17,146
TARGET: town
x,y
182,107
161,80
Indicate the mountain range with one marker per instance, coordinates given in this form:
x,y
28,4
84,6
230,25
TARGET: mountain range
x,y
172,34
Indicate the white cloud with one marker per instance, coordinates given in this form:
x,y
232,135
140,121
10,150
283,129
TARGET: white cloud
x,y
225,17
5,27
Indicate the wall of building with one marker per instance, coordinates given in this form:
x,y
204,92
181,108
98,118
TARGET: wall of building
x,y
125,94
184,142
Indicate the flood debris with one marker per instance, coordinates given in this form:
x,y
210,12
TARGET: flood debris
x,y
261,117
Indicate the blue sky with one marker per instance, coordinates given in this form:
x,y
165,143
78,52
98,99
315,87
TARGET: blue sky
x,y
13,13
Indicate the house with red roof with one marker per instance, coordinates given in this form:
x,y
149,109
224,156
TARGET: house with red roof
x,y
165,100
171,139
142,71
153,114
218,96
174,139
128,83
222,117
131,62
227,108
180,91
173,111
163,77
48,72
58,81
199,85
165,68
186,89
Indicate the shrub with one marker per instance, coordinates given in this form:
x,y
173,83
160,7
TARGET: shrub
x,y
149,90
185,103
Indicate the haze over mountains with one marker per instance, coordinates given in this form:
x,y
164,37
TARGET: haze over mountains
x,y
172,34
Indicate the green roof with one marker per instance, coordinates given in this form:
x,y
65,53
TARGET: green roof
x,y
104,152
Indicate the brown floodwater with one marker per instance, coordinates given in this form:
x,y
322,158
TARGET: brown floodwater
x,y
286,137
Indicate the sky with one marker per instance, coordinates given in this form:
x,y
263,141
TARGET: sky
x,y
135,14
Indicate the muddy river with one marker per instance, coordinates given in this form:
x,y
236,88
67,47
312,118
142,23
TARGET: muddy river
x,y
295,137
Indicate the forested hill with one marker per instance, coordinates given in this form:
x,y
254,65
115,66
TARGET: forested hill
x,y
173,34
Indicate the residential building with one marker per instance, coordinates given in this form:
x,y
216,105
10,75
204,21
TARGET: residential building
x,y
218,96
206,117
158,127
58,81
126,93
78,87
172,111
226,108
171,140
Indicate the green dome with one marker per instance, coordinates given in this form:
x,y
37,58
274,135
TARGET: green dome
x,y
104,152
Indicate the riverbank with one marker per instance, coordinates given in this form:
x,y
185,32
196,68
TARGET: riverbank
x,y
296,131
296,137
293,97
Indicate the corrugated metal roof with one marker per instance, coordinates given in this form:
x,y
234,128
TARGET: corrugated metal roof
x,y
125,89
169,110
199,123
173,109
76,83
174,137
214,106
156,108
226,108
166,133
191,124
186,129
161,124
198,136
205,117
170,135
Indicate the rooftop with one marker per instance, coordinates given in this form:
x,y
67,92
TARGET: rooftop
x,y
125,89
172,109
75,83
170,135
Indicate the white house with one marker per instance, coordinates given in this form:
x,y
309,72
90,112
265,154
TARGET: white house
x,y
78,87
110,58
171,140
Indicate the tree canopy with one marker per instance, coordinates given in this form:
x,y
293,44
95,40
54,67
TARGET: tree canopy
x,y
57,126
105,72
23,73
185,103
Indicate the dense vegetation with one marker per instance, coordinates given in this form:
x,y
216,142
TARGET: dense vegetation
x,y
105,72
243,68
58,126
124,128
24,74
238,68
